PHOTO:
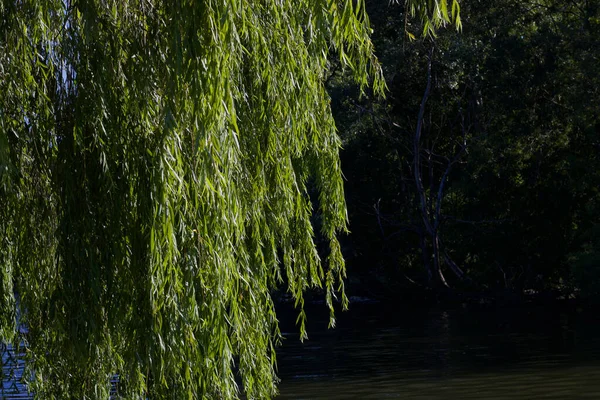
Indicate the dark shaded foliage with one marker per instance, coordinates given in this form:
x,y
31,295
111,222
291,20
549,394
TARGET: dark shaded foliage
x,y
518,89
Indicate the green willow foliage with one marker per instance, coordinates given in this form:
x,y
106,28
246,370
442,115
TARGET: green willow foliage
x,y
156,159
432,14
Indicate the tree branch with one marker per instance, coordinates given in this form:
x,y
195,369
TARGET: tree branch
x,y
416,144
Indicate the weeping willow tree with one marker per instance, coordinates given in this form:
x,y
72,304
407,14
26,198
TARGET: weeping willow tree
x,y
433,14
158,164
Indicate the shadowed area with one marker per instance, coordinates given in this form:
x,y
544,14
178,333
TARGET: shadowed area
x,y
464,353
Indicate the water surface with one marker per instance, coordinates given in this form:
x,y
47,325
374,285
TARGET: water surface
x,y
379,352
411,352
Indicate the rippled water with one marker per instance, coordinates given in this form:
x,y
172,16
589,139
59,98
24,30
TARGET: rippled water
x,y
380,352
11,384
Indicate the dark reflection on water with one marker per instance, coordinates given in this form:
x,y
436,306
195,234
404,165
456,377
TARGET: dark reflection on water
x,y
494,353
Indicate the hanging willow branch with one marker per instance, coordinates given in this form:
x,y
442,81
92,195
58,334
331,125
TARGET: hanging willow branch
x,y
155,163
433,14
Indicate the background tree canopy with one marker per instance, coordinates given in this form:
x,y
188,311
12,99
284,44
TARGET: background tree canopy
x,y
156,159
509,151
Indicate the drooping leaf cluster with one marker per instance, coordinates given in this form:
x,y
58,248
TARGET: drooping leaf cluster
x,y
431,15
155,165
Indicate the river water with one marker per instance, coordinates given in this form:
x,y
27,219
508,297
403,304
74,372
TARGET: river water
x,y
416,352
377,352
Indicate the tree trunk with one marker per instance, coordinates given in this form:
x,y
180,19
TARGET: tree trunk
x,y
425,256
439,279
